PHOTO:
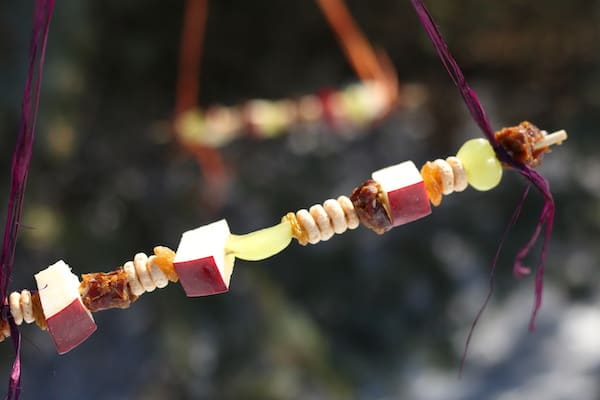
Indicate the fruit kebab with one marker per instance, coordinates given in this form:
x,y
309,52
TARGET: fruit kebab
x,y
204,260
347,111
512,152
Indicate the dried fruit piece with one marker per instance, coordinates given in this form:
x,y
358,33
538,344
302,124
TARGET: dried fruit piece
x,y
432,177
369,202
4,330
38,311
298,231
164,260
102,291
520,140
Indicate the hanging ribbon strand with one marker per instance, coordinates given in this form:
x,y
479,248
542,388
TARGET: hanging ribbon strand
x,y
367,64
546,218
188,89
20,167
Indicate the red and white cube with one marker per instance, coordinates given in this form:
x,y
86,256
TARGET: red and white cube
x,y
69,322
202,263
405,190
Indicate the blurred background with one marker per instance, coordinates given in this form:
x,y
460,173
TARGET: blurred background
x,y
361,316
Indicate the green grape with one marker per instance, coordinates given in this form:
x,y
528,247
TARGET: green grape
x,y
260,244
484,171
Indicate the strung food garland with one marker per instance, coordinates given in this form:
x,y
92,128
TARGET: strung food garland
x,y
205,257
201,131
352,108
349,109
204,260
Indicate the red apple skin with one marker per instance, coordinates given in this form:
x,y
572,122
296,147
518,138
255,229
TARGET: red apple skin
x,y
409,203
200,277
70,327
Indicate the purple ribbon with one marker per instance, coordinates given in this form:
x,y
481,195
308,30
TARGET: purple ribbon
x,y
20,168
546,218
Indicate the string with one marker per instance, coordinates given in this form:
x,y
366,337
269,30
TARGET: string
x,y
20,168
188,88
368,64
546,218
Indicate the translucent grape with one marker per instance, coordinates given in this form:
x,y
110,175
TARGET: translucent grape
x,y
260,244
484,171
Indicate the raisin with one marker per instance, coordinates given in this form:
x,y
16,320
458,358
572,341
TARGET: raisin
x,y
369,203
432,178
519,141
101,291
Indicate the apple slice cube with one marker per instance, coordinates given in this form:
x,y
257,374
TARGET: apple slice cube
x,y
69,322
202,262
405,190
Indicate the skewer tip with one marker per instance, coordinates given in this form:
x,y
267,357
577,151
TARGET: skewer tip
x,y
551,139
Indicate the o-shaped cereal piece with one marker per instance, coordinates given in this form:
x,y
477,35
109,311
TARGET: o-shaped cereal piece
x,y
134,283
14,300
336,215
447,176
349,211
460,175
322,219
139,262
309,224
26,306
157,274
